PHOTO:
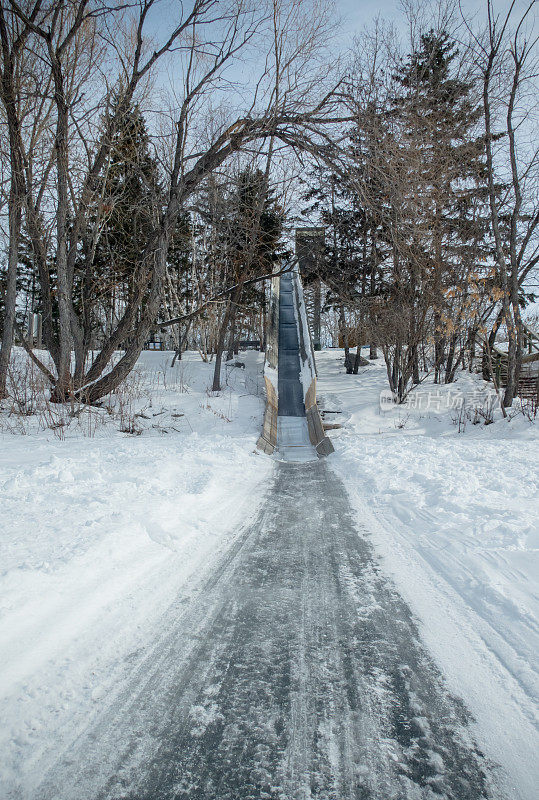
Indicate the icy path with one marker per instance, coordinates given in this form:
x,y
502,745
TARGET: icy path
x,y
295,671
454,516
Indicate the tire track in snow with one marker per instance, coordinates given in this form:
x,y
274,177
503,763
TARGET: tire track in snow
x,y
296,672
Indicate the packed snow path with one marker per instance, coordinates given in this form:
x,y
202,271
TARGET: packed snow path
x,y
295,671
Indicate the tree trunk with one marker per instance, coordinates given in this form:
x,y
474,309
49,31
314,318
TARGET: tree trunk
x,y
485,368
472,333
439,348
39,252
449,364
512,356
500,253
389,368
344,334
373,353
453,363
150,313
232,335
488,356
63,384
10,302
415,364
514,360
357,359
216,386
182,339
10,98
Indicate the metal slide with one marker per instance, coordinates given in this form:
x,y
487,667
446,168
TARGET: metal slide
x,y
293,441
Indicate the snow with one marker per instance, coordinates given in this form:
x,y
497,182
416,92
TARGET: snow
x,y
103,530
101,533
455,517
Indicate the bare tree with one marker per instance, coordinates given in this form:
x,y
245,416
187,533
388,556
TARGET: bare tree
x,y
14,34
507,60
290,101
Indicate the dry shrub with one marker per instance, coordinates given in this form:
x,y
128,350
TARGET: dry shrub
x,y
28,407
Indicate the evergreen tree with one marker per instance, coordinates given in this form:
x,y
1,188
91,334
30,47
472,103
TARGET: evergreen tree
x,y
256,224
179,294
110,269
250,230
254,244
436,115
354,247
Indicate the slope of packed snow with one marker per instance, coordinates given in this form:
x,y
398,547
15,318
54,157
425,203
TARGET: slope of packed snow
x,y
103,529
453,510
101,533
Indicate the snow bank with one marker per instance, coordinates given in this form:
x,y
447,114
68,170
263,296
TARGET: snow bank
x,y
100,535
455,517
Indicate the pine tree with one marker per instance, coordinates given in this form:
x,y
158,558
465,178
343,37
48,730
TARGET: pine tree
x,y
254,244
436,115
111,268
251,228
179,290
353,246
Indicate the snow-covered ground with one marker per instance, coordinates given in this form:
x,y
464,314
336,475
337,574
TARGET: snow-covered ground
x,y
101,532
454,511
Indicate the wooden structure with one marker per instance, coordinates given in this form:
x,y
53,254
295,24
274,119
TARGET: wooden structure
x,y
528,384
268,438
